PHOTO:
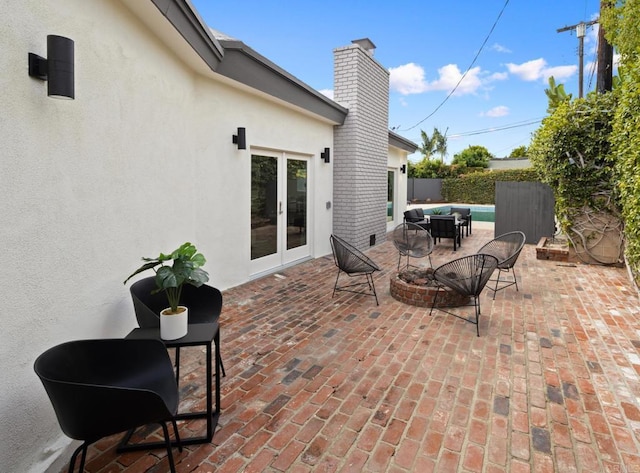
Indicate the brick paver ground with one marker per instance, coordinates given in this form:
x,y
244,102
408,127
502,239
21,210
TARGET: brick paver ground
x,y
324,384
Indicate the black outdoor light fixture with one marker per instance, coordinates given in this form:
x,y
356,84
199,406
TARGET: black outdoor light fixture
x,y
403,169
240,139
326,155
57,68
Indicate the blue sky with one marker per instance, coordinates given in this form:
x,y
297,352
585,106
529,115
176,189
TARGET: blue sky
x,y
427,46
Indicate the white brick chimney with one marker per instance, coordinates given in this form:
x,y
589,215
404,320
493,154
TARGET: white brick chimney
x,y
361,145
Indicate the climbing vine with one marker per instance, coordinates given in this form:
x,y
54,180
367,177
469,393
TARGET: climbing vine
x,y
572,153
621,27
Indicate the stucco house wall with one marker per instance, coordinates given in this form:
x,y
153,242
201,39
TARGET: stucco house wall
x,y
509,163
141,161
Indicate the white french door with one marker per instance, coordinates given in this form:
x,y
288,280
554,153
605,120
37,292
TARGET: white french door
x,y
279,210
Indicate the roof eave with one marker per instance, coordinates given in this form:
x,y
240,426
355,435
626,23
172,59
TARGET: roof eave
x,y
243,64
401,142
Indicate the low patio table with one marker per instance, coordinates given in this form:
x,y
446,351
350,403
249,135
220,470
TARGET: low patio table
x,y
198,335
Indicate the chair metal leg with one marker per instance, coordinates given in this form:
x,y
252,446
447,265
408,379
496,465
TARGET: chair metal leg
x,y
370,276
177,434
515,279
435,299
72,462
335,286
167,441
477,304
497,282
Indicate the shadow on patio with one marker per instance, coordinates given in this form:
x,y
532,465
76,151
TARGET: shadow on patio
x,y
321,384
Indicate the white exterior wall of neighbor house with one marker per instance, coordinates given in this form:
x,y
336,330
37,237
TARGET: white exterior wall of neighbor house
x,y
138,163
361,146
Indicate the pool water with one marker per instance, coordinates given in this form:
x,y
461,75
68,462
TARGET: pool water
x,y
480,213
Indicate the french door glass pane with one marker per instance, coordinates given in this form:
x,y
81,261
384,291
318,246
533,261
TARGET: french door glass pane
x,y
264,206
296,203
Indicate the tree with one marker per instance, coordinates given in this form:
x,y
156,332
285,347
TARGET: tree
x,y
474,156
436,143
519,152
556,95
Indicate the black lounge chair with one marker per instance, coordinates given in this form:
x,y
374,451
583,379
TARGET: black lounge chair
x,y
506,248
353,263
204,303
445,226
465,216
416,216
412,241
467,276
103,387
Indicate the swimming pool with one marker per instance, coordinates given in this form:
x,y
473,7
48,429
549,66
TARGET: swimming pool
x,y
480,213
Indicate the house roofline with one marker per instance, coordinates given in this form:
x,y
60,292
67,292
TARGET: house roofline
x,y
235,60
401,142
245,65
186,20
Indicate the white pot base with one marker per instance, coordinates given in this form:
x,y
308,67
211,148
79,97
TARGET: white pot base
x,y
174,326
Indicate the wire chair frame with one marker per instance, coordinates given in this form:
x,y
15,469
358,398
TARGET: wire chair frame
x,y
467,276
412,241
506,248
353,263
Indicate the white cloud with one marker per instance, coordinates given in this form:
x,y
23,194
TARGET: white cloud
x,y
498,76
500,48
407,79
559,72
499,111
450,75
410,79
327,93
537,69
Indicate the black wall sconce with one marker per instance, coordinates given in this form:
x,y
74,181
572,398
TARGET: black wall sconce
x,y
240,139
403,169
57,69
326,155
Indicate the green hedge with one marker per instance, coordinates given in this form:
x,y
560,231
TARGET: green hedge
x,y
621,25
480,187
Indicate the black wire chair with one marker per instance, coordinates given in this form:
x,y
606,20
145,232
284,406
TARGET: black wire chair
x,y
352,262
467,276
412,241
107,386
506,248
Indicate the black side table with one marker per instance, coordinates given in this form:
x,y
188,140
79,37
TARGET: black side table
x,y
198,335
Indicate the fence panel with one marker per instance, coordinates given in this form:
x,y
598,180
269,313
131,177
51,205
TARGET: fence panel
x,y
424,189
525,206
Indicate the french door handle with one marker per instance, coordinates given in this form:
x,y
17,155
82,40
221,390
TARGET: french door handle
x,y
280,211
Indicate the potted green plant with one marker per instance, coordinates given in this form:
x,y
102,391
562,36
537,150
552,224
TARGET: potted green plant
x,y
182,266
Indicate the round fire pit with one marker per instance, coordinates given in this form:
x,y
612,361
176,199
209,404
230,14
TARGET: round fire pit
x,y
416,286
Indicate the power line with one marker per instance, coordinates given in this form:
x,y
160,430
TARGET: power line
x,y
494,129
465,72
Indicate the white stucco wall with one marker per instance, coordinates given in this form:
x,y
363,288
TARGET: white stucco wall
x,y
138,163
397,158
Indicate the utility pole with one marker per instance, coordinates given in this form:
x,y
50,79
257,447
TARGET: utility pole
x,y
580,29
604,81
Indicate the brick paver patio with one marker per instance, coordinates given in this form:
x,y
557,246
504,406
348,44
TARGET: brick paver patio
x,y
323,385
